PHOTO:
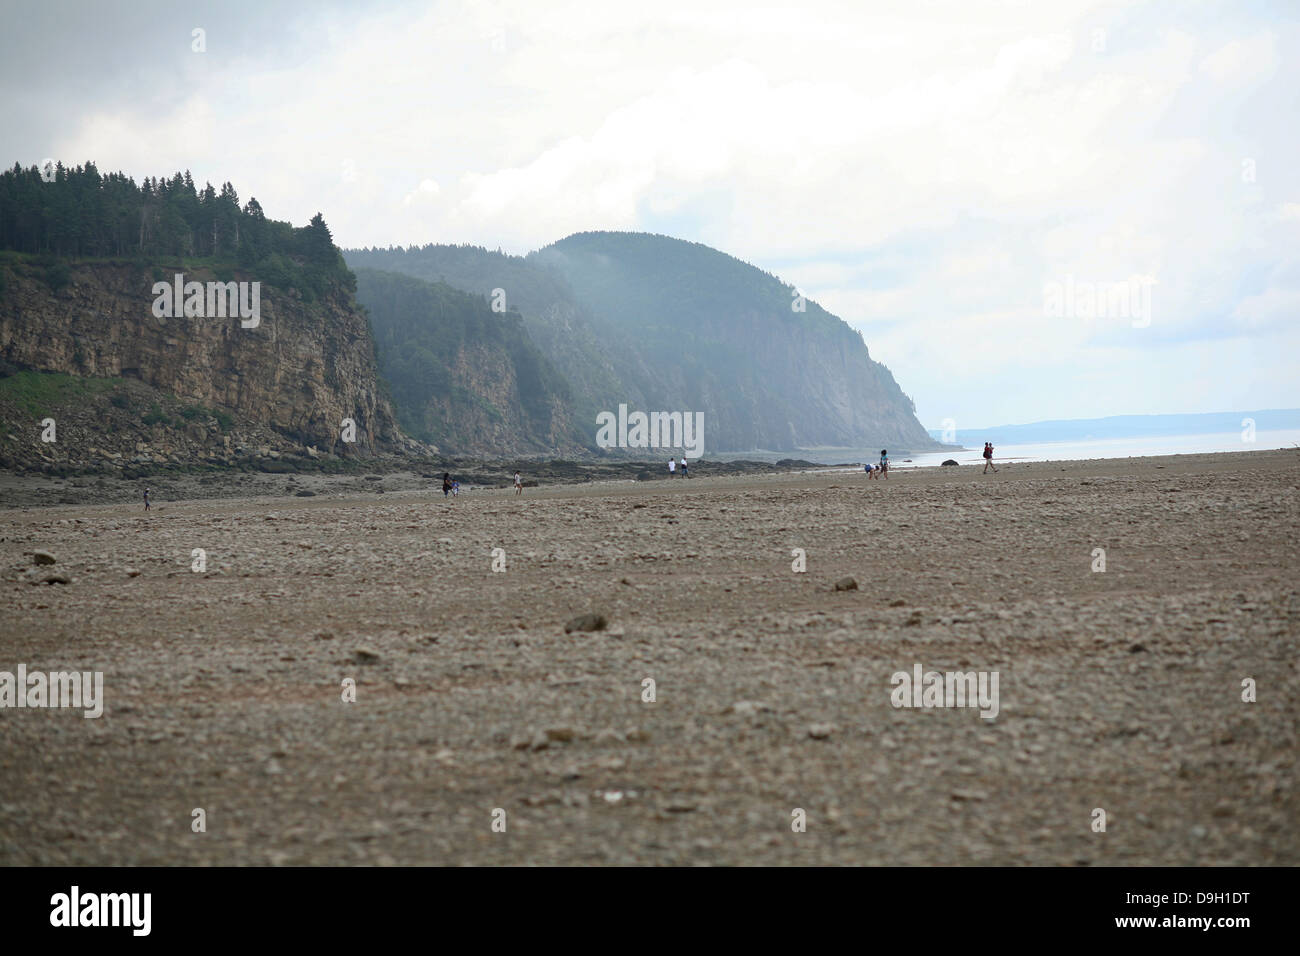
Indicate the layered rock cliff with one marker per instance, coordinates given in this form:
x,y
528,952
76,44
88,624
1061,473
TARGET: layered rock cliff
x,y
303,370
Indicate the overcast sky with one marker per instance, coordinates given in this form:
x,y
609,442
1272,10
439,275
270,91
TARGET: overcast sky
x,y
932,172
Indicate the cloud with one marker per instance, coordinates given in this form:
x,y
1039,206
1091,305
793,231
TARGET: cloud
x,y
919,169
427,191
1242,60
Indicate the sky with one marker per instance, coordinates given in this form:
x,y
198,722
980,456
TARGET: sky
x,y
1031,209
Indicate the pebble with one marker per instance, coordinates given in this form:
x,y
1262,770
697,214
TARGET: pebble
x,y
586,622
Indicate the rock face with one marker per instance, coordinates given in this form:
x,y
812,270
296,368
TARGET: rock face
x,y
303,370
461,375
665,325
695,328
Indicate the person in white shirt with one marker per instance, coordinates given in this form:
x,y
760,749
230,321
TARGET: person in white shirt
x,y
519,484
672,466
685,473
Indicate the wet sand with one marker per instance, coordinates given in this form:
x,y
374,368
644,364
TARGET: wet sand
x,y
1119,690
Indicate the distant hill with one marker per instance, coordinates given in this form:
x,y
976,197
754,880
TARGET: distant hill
x,y
462,376
661,324
555,322
1128,426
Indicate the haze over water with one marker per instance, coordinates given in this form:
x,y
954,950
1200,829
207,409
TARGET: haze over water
x,y
1130,447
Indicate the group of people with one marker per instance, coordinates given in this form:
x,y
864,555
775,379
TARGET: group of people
x,y
451,487
673,467
880,468
988,458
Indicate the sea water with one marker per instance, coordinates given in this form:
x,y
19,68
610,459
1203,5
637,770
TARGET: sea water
x,y
1074,450
1130,447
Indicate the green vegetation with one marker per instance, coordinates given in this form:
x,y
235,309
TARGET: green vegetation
x,y
35,395
664,324
156,416
57,276
39,392
82,214
186,413
556,322
433,342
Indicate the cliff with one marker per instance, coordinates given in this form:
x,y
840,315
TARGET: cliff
x,y
661,324
304,368
462,375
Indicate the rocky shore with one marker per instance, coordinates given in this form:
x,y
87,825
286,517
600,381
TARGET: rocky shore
x,y
356,678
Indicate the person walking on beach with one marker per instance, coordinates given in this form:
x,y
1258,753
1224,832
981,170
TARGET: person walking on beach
x,y
519,484
446,483
884,462
685,473
988,459
672,467
146,499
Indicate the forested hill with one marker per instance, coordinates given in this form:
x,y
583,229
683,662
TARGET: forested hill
x,y
554,319
663,324
80,212
463,376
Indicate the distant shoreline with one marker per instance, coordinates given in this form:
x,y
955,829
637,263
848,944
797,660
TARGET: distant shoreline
x,y
479,480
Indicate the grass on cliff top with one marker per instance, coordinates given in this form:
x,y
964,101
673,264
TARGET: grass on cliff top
x,y
311,280
39,392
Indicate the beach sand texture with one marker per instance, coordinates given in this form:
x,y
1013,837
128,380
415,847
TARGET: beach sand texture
x,y
1119,690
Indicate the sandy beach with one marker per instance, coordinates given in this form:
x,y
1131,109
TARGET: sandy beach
x,y
1120,690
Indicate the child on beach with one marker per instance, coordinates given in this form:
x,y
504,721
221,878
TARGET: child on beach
x,y
146,499
884,462
519,484
685,474
672,466
455,488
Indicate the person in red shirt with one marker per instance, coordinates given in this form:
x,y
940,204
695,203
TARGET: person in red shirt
x,y
988,458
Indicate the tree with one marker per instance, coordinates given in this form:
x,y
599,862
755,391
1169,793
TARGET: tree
x,y
84,212
319,244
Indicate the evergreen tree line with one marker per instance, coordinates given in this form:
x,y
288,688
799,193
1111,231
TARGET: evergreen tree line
x,y
83,213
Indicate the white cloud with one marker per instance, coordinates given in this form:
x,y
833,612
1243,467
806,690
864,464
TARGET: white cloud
x,y
920,169
427,191
1242,60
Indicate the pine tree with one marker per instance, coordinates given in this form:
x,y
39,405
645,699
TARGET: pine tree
x,y
319,246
